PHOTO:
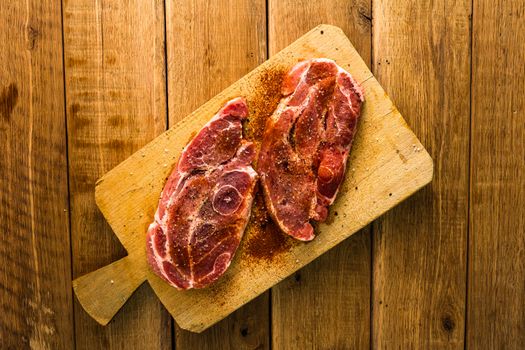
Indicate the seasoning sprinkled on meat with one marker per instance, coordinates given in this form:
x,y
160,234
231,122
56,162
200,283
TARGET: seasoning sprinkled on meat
x,y
205,203
263,104
264,240
306,143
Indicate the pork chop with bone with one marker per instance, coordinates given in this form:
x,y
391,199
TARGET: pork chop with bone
x,y
205,204
306,144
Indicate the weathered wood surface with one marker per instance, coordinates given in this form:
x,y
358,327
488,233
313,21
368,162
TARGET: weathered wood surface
x,y
423,260
420,247
116,102
496,294
36,308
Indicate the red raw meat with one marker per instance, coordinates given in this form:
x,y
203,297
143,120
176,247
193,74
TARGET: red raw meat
x,y
205,204
306,144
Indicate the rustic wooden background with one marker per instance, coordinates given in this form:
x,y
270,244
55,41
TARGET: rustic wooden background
x,y
84,83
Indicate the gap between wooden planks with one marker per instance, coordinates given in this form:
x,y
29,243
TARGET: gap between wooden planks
x,y
388,164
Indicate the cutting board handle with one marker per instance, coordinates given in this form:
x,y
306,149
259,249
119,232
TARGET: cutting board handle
x,y
104,291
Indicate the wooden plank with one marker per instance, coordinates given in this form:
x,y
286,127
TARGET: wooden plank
x,y
35,268
496,303
116,102
389,164
211,44
324,305
421,55
327,303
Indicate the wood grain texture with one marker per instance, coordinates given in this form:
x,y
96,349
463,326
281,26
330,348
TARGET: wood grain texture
x,y
421,56
327,303
211,44
116,102
389,164
496,298
35,269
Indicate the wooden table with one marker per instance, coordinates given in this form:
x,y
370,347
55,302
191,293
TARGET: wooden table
x,y
85,83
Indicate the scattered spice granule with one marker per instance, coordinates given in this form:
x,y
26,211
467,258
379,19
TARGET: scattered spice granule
x,y
263,103
264,240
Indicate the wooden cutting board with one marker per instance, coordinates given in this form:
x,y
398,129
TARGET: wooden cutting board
x,y
387,164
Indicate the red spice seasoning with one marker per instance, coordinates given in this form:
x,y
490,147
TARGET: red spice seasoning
x,y
263,102
263,239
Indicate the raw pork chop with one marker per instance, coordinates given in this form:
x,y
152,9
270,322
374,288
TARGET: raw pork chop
x,y
205,204
306,144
